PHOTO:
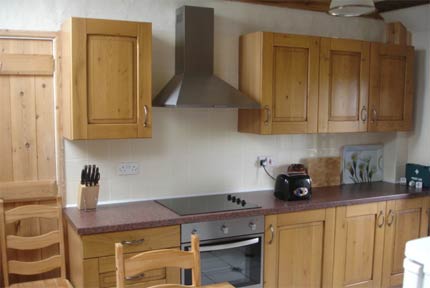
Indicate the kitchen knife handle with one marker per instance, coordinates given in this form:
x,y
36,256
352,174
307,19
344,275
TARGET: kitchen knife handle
x,y
390,218
133,242
272,234
135,277
381,217
363,114
268,114
145,119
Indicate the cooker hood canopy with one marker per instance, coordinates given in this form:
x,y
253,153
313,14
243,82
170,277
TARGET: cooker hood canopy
x,y
194,84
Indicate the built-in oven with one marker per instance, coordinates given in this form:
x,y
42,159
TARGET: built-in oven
x,y
230,251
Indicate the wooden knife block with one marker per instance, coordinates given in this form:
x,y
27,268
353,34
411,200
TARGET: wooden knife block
x,y
88,197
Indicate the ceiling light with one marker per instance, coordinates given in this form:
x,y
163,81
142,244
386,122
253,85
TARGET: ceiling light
x,y
351,8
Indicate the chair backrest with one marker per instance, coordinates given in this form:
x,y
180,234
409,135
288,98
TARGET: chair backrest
x,y
30,243
157,259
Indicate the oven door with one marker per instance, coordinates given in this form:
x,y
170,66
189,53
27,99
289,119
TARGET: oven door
x,y
234,260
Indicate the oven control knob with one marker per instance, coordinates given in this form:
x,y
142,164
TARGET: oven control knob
x,y
243,203
253,226
229,197
194,231
238,201
233,198
224,229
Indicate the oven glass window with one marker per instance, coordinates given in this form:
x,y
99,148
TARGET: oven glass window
x,y
240,266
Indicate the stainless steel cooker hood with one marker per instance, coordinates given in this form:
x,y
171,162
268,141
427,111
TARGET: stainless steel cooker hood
x,y
194,84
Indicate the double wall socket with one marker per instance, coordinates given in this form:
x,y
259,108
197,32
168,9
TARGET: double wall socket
x,y
128,168
266,161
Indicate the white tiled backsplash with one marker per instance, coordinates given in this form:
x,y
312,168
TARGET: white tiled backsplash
x,y
197,151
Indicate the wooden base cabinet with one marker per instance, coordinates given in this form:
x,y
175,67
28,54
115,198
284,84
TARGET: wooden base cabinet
x,y
106,79
92,257
299,249
370,241
406,220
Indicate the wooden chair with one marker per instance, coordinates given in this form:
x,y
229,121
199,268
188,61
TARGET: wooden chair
x,y
35,242
159,259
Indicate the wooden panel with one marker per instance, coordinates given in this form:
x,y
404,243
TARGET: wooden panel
x,y
20,64
55,282
287,264
359,245
37,267
344,78
295,76
24,137
111,72
392,69
301,267
255,50
290,83
6,169
30,211
25,46
108,93
155,276
36,242
391,88
406,220
26,190
396,33
154,238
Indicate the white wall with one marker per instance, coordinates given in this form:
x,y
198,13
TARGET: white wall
x,y
196,151
417,20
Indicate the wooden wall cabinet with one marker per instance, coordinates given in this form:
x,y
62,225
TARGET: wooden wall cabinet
x,y
370,241
343,85
391,87
280,71
106,79
299,249
309,84
92,257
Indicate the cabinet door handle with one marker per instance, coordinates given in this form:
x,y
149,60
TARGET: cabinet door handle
x,y
135,277
390,218
272,233
381,219
363,114
268,115
374,115
145,119
132,242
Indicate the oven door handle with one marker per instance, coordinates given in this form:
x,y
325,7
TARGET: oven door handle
x,y
230,245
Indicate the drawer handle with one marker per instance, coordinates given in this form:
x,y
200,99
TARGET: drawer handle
x,y
390,218
132,242
375,115
363,114
272,234
145,120
135,277
381,217
268,115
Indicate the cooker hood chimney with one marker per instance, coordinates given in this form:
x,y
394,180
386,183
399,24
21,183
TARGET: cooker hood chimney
x,y
194,84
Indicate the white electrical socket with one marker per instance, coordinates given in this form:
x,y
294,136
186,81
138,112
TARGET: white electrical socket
x,y
128,168
267,159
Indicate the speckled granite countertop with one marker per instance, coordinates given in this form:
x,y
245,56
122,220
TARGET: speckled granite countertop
x,y
145,214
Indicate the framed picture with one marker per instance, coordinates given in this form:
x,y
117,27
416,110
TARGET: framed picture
x,y
362,164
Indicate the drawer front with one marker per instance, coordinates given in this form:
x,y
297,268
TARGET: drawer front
x,y
139,240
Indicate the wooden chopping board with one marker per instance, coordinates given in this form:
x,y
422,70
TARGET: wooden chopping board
x,y
324,171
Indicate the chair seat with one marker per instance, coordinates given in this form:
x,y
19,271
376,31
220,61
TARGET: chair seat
x,y
48,283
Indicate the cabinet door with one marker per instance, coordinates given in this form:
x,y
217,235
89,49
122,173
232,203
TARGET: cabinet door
x,y
359,245
344,82
406,220
111,68
294,99
299,249
391,87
